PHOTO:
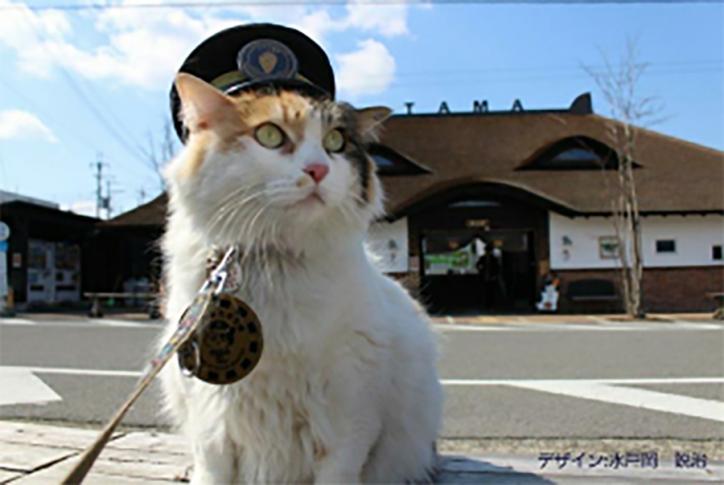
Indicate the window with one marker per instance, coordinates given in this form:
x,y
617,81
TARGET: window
x,y
383,162
575,153
576,156
389,162
716,252
665,246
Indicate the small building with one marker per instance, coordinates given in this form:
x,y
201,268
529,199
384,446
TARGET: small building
x,y
133,239
483,206
47,251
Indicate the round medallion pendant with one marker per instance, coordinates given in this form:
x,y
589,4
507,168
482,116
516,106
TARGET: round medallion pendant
x,y
228,344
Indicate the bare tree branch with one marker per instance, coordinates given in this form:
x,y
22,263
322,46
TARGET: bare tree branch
x,y
160,152
619,88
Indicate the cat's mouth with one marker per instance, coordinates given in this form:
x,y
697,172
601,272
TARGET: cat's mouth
x,y
313,198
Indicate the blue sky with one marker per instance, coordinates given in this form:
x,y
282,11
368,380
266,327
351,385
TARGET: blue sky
x,y
77,83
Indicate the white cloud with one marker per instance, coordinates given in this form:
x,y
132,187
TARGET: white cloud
x,y
368,70
82,207
26,32
388,20
144,46
15,123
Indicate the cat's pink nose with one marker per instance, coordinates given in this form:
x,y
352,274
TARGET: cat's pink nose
x,y
317,171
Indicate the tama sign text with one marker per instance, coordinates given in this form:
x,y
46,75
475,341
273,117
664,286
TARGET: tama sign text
x,y
478,107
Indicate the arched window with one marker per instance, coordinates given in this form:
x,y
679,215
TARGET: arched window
x,y
576,153
383,163
390,163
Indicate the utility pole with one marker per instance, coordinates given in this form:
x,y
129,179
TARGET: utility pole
x,y
98,167
107,199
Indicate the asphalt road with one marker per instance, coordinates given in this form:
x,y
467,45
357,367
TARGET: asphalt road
x,y
518,379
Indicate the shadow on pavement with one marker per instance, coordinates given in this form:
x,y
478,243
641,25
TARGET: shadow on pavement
x,y
458,469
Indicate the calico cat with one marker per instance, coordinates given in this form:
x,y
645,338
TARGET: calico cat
x,y
347,389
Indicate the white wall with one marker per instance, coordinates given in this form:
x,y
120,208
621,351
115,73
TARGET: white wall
x,y
694,236
388,241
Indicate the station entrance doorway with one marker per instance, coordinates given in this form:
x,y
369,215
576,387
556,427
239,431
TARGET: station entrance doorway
x,y
481,252
470,271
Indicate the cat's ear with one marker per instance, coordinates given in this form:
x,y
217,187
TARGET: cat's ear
x,y
369,120
202,105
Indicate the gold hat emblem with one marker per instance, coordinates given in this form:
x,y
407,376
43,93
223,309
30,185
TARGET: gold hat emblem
x,y
268,61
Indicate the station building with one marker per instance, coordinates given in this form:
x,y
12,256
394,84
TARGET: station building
x,y
484,206
537,188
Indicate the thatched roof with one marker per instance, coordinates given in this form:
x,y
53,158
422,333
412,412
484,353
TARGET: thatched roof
x,y
151,213
674,175
488,150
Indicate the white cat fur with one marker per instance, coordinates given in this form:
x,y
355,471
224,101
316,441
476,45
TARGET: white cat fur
x,y
346,390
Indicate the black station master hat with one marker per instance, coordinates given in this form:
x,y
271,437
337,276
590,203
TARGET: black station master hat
x,y
254,56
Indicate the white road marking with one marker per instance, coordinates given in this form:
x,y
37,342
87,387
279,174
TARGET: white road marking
x,y
16,321
569,326
89,323
562,327
108,322
21,386
615,381
448,382
446,327
638,398
74,371
700,325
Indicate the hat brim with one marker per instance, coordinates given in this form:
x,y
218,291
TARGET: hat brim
x,y
297,85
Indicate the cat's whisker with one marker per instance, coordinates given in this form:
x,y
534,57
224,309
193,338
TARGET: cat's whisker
x,y
229,199
245,233
229,205
234,206
252,192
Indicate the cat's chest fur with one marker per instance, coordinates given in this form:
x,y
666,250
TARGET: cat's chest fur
x,y
275,418
313,319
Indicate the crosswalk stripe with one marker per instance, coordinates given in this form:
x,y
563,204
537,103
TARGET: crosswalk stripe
x,y
634,397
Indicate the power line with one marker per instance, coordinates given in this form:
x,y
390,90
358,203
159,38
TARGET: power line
x,y
287,3
76,136
113,119
134,151
482,79
705,63
100,117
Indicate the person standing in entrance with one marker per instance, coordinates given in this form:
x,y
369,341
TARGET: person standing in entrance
x,y
479,249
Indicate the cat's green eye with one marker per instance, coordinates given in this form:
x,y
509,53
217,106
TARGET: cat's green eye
x,y
334,141
269,135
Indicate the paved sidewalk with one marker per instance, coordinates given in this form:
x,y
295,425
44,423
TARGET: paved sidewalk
x,y
38,453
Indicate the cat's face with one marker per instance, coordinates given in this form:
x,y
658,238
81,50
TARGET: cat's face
x,y
268,167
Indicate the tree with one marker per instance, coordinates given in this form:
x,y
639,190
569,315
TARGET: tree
x,y
619,83
160,152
